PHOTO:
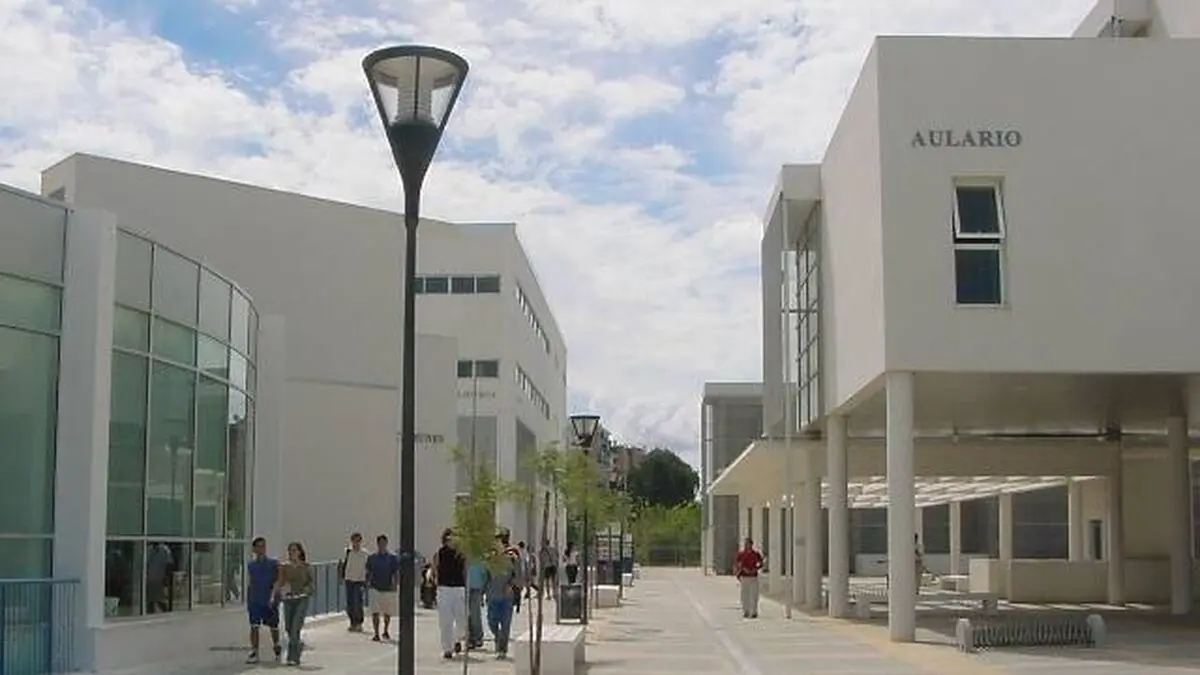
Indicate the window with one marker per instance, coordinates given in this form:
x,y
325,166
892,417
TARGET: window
x,y
214,305
170,451
437,285
462,285
465,369
176,287
28,400
131,329
978,243
488,284
134,256
29,304
175,342
239,323
419,285
490,368
33,237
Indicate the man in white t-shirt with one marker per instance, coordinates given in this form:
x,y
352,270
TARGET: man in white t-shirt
x,y
353,570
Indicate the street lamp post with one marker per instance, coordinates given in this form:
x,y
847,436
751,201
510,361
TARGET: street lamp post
x,y
584,427
415,89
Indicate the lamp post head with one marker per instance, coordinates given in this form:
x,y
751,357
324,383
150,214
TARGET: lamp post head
x,y
415,89
585,427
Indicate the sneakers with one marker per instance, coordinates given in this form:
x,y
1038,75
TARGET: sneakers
x,y
447,655
386,636
278,653
253,658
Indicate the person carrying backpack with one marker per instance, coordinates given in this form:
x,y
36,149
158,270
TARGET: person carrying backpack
x,y
352,569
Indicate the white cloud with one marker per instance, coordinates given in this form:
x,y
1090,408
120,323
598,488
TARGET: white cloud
x,y
634,142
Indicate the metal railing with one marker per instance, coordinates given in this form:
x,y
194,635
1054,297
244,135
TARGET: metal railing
x,y
37,626
329,597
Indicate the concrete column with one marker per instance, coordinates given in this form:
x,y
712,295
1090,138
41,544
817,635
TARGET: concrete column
x,y
743,519
84,403
1005,526
902,586
919,525
956,538
1180,516
267,519
839,516
1116,533
1076,549
775,573
799,545
813,544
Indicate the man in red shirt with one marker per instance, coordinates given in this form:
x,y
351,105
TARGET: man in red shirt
x,y
746,566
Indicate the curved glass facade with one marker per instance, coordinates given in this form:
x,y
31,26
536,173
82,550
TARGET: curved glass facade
x,y
31,276
181,434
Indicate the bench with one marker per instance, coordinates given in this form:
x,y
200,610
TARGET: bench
x,y
608,596
1030,630
563,650
954,582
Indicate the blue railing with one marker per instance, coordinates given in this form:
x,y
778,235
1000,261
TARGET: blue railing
x,y
37,626
330,594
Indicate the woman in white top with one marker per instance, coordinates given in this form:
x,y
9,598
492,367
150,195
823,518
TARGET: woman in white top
x,y
571,562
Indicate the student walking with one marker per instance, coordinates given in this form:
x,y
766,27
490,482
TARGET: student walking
x,y
502,590
261,574
383,579
571,560
353,571
549,564
449,569
295,585
746,567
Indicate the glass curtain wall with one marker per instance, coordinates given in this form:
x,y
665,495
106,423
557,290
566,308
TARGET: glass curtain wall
x,y
31,275
807,303
181,434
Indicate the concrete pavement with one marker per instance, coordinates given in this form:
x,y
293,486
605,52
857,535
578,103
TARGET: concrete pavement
x,y
679,621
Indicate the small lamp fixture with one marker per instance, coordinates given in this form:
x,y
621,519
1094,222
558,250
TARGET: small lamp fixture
x,y
585,427
415,88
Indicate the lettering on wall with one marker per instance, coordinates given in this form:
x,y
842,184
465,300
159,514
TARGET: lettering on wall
x,y
466,393
427,439
968,138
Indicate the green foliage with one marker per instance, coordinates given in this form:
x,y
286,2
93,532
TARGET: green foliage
x,y
573,476
475,525
663,479
662,531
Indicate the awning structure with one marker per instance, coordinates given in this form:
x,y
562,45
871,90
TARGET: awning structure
x,y
947,470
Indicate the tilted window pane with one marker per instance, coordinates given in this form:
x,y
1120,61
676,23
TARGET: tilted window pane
x,y
167,573
127,445
171,450
131,329
212,357
978,210
237,370
176,287
175,342
238,426
133,274
239,323
212,415
123,576
252,337
32,232
28,402
25,558
29,304
977,277
214,305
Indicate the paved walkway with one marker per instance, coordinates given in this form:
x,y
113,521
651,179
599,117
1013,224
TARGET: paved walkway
x,y
678,621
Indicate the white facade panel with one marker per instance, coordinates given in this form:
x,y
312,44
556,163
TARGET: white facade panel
x,y
1098,205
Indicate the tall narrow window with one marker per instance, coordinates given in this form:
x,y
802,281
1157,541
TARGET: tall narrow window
x,y
978,243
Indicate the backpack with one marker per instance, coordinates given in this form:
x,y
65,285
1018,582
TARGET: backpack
x,y
341,568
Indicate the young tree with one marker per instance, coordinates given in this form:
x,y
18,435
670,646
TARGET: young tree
x,y
572,478
475,526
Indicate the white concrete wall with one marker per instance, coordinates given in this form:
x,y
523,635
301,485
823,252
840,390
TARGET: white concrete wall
x,y
852,269
437,420
1097,200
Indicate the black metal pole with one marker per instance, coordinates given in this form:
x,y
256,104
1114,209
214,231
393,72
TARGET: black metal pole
x,y
586,560
406,662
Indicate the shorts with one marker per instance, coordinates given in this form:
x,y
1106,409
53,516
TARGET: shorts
x,y
263,615
549,572
384,602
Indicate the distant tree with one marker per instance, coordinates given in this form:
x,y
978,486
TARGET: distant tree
x,y
663,479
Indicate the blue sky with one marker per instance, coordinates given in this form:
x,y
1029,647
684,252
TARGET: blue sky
x,y
635,143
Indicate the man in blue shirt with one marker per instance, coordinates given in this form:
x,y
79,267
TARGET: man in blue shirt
x,y
383,570
477,579
261,573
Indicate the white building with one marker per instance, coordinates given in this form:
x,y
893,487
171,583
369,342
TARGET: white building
x,y
138,424
478,285
334,279
987,287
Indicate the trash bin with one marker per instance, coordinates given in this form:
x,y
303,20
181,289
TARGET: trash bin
x,y
570,602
